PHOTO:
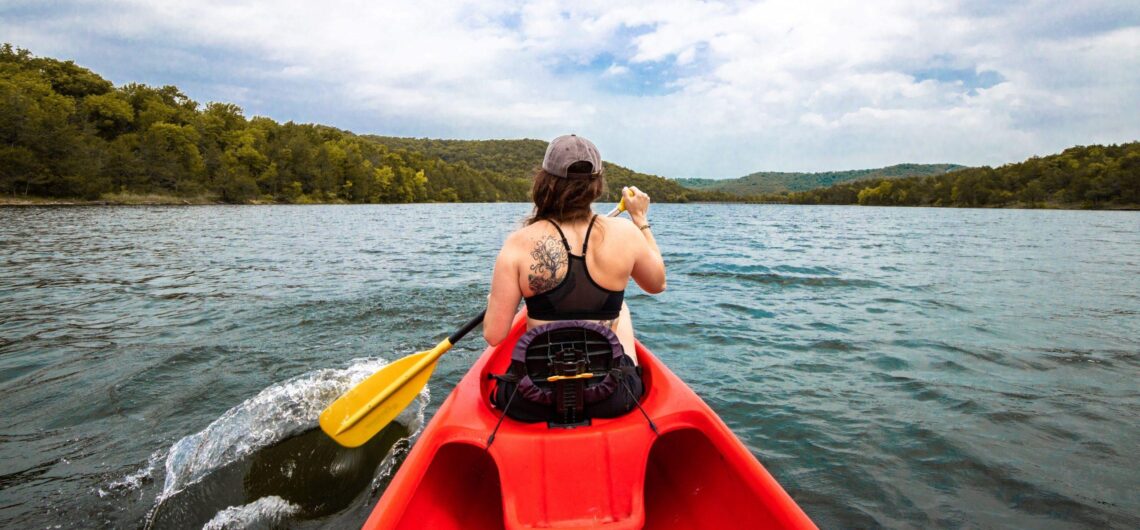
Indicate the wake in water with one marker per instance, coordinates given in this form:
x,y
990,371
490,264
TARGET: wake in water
x,y
264,461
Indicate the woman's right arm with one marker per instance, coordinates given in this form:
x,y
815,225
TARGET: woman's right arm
x,y
504,299
648,265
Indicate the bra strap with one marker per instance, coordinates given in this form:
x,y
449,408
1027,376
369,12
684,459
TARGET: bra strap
x,y
587,238
565,243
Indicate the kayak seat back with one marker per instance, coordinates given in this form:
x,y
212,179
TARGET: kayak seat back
x,y
566,373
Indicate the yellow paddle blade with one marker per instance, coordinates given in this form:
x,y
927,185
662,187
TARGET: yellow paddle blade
x,y
363,411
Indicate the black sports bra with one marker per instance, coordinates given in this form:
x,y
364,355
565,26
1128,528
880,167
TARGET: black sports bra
x,y
577,296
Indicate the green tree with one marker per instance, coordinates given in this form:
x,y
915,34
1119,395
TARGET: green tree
x,y
110,113
170,154
36,131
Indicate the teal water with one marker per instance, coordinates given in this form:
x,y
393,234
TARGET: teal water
x,y
903,368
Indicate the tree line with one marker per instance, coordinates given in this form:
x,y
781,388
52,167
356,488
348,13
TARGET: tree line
x,y
67,132
1094,176
771,182
520,158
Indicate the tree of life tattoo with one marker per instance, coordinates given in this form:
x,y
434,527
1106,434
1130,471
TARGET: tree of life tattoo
x,y
549,257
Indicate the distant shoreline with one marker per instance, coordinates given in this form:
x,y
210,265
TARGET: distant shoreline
x,y
118,199
121,199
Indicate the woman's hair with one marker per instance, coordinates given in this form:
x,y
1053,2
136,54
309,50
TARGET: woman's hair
x,y
565,200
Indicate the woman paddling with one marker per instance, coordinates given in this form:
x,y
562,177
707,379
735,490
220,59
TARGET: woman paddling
x,y
569,263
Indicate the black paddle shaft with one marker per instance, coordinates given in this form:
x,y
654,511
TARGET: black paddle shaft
x,y
470,325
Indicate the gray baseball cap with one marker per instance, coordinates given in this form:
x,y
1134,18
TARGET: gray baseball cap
x,y
567,150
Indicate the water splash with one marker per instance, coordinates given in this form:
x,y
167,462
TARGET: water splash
x,y
277,413
266,512
134,480
401,448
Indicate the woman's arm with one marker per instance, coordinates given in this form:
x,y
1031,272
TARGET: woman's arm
x,y
648,265
504,298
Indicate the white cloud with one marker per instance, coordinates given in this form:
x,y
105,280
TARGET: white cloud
x,y
680,88
615,70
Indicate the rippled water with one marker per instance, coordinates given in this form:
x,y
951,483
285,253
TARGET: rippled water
x,y
891,367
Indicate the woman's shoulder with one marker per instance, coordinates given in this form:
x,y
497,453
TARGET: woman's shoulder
x,y
525,236
618,225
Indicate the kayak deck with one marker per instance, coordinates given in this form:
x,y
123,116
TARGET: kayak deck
x,y
616,473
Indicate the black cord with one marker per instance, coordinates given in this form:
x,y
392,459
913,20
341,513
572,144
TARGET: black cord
x,y
625,383
491,439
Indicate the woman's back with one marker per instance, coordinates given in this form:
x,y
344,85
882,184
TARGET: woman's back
x,y
543,258
568,263
534,264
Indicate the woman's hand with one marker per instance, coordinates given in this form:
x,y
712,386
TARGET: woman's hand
x,y
648,267
637,204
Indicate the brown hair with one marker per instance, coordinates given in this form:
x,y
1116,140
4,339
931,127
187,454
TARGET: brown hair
x,y
565,200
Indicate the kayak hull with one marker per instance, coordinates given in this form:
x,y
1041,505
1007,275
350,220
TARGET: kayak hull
x,y
615,473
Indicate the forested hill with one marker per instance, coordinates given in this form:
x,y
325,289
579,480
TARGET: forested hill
x,y
1095,176
514,158
519,159
66,132
774,182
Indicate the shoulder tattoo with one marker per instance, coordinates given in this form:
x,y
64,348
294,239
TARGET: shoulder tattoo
x,y
549,258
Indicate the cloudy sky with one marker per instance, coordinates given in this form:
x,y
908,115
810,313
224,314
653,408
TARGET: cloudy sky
x,y
677,88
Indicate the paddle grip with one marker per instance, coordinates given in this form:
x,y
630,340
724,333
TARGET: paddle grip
x,y
621,204
470,325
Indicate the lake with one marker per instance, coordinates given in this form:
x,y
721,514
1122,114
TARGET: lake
x,y
906,368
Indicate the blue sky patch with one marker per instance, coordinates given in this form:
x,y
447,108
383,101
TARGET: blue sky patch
x,y
971,79
614,72
617,76
511,21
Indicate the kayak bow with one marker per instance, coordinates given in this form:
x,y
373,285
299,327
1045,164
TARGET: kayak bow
x,y
616,473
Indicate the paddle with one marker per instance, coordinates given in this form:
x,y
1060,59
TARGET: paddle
x,y
357,415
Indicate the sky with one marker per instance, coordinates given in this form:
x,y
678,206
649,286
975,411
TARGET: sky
x,y
671,87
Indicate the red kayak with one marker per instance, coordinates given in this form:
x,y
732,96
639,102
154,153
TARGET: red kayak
x,y
615,473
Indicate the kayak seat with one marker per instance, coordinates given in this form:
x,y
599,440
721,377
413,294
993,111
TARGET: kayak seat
x,y
565,373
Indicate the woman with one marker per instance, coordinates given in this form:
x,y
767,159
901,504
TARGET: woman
x,y
569,263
